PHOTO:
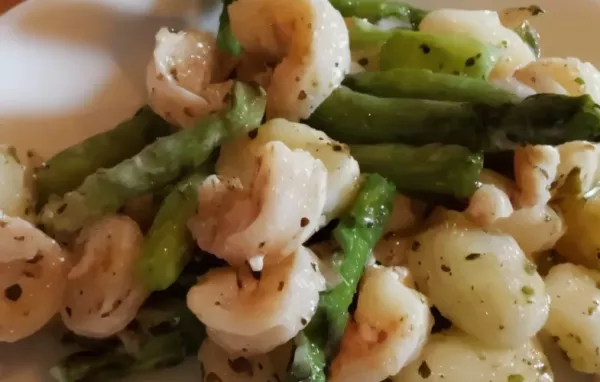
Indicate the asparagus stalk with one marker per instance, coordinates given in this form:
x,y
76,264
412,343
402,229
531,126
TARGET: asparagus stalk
x,y
168,243
375,10
424,84
226,40
154,167
67,169
357,233
162,336
436,169
551,119
453,54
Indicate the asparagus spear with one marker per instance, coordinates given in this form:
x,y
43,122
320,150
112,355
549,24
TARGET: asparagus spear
x,y
436,169
168,243
357,233
375,10
420,83
226,40
154,167
67,169
552,119
452,54
162,335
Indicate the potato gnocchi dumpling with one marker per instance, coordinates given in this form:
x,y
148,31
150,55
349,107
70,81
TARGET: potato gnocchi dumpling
x,y
454,356
574,320
481,280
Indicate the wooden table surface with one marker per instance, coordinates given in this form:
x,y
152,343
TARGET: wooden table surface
x,y
5,5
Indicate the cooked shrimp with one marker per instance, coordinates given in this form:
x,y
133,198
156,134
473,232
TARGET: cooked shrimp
x,y
342,170
580,156
407,215
561,76
271,216
513,85
391,325
484,26
33,269
480,280
308,42
453,356
488,204
217,365
575,314
103,294
246,315
186,76
536,229
535,170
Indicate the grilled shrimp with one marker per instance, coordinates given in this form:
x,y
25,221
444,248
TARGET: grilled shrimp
x,y
271,216
391,325
307,42
480,280
217,365
33,269
342,170
453,356
186,76
247,315
575,314
484,26
561,76
103,294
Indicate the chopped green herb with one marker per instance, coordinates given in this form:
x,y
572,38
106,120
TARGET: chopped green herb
x,y
424,370
580,81
527,290
530,268
516,378
473,256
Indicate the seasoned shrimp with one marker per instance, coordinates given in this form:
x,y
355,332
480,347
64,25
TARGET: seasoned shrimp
x,y
561,76
308,42
536,229
103,294
582,157
186,76
480,280
453,356
574,318
268,218
33,270
535,170
484,26
391,325
342,170
246,315
217,365
488,204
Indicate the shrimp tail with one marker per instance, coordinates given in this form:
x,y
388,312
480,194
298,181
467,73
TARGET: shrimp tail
x,y
357,233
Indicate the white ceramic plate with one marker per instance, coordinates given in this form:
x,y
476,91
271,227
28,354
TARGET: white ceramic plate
x,y
71,68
